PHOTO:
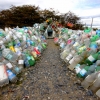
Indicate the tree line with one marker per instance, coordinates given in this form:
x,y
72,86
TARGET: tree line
x,y
27,15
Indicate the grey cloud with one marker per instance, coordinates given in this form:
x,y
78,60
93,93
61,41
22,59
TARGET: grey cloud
x,y
8,4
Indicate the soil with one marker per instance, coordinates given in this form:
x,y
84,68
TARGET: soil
x,y
49,79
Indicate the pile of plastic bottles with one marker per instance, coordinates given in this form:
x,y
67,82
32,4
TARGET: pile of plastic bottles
x,y
81,52
19,48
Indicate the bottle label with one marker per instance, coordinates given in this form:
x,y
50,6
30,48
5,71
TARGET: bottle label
x,y
21,62
9,56
77,68
18,53
9,65
11,75
83,72
69,57
91,58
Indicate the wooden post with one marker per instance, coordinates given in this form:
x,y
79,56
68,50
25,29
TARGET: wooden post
x,y
91,26
91,23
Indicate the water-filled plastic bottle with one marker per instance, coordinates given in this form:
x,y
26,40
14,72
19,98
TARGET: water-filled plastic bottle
x,y
12,77
91,69
8,64
98,93
74,61
20,62
89,80
10,55
78,68
64,53
16,69
96,84
92,58
98,63
83,72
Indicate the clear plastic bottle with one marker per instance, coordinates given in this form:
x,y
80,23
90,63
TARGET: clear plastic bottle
x,y
98,93
21,62
64,53
98,62
12,77
70,56
74,61
10,55
96,84
78,68
89,80
8,64
3,75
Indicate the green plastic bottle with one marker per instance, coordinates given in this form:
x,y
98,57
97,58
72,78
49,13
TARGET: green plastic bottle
x,y
97,68
94,38
92,58
83,72
30,59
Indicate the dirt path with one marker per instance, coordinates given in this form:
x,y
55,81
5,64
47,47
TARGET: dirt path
x,y
49,79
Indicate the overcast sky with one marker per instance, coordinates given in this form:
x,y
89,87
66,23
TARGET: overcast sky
x,y
83,8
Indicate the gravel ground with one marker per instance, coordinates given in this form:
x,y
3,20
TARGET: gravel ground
x,y
49,79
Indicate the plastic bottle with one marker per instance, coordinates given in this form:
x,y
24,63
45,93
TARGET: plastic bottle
x,y
74,61
92,58
16,69
83,72
20,62
64,53
78,68
70,56
94,46
89,80
87,42
10,55
98,62
8,64
37,51
98,93
3,75
91,69
34,54
29,60
12,77
96,84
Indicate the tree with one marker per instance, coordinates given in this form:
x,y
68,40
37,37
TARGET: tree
x,y
20,16
71,18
